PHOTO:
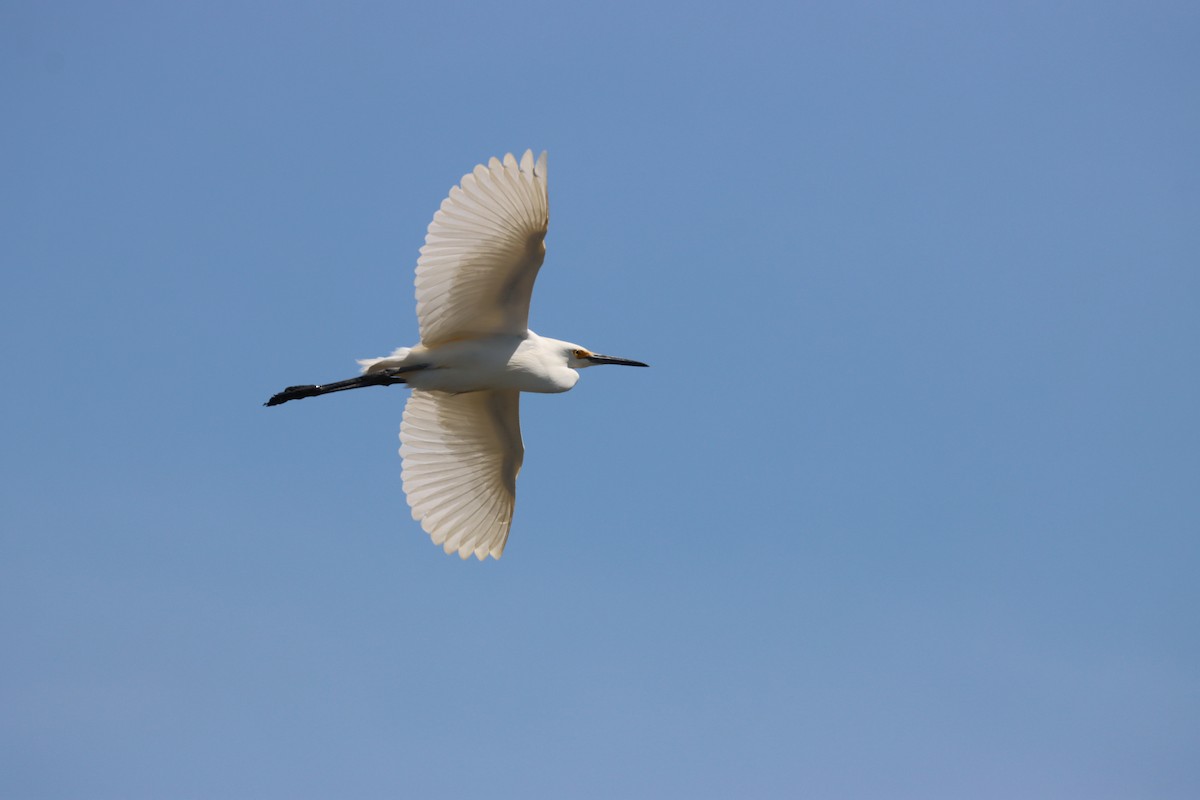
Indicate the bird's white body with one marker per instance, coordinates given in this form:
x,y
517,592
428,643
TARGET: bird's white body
x,y
461,432
528,363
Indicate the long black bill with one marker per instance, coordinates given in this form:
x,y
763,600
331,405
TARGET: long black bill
x,y
599,359
386,377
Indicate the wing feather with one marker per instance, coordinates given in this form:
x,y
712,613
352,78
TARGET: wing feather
x,y
482,252
462,453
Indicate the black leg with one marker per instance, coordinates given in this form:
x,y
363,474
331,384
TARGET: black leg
x,y
385,377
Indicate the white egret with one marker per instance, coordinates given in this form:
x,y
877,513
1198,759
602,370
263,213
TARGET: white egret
x,y
461,433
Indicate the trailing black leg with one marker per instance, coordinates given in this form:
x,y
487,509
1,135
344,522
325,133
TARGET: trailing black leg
x,y
385,377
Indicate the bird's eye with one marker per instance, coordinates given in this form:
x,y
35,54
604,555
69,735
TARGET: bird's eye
x,y
580,354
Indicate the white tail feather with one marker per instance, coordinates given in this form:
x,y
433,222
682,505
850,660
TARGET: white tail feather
x,y
372,365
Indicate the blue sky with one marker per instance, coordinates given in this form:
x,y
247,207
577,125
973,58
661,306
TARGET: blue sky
x,y
907,506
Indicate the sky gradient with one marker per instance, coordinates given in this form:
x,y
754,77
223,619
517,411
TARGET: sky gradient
x,y
908,505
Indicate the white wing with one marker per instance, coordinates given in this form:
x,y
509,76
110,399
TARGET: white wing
x,y
462,453
482,252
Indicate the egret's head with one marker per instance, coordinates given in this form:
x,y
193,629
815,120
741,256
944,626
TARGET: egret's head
x,y
580,357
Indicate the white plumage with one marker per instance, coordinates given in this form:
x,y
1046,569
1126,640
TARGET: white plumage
x,y
461,432
462,453
482,252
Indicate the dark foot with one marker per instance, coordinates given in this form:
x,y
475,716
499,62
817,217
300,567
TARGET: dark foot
x,y
293,393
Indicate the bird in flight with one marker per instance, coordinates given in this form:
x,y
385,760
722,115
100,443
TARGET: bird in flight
x,y
460,436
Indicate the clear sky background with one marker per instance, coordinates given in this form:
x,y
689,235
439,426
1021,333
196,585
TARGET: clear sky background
x,y
908,505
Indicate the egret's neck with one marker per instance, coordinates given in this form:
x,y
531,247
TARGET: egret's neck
x,y
539,365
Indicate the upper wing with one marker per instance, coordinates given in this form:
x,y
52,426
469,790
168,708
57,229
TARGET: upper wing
x,y
462,453
482,252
